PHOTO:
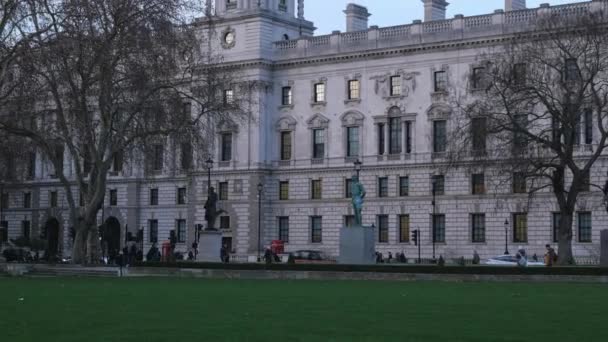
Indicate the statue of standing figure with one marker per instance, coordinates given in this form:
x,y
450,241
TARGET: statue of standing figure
x,y
211,212
358,194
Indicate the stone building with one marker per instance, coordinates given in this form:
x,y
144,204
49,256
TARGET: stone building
x,y
378,95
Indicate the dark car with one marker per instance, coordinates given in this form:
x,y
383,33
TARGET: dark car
x,y
310,257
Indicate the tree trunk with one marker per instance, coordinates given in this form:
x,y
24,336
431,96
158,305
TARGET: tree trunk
x,y
80,246
93,246
564,256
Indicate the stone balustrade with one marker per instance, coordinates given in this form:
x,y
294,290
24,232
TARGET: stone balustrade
x,y
460,27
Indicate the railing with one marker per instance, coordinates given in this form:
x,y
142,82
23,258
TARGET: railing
x,y
570,9
286,44
394,32
437,26
518,17
353,37
478,21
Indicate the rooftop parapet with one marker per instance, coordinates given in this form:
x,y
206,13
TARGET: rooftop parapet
x,y
460,27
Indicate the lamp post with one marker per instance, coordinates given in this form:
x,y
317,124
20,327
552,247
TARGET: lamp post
x,y
358,164
433,185
209,163
260,188
3,229
506,237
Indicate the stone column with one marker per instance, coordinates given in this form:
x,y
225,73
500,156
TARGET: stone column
x,y
604,248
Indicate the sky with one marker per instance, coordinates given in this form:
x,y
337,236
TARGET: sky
x,y
327,15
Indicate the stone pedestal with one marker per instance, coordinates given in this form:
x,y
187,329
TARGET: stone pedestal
x,y
357,246
604,248
209,245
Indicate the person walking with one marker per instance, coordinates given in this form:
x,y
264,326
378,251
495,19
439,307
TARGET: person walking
x,y
550,256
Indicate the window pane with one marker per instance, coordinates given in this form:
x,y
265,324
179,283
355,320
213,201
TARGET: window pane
x,y
319,92
316,187
404,228
439,136
556,222
395,85
283,191
440,81
478,227
186,156
383,187
284,229
153,230
404,186
227,147
318,143
520,141
588,126
394,135
316,229
408,137
158,157
153,196
478,78
353,89
478,134
353,141
383,228
223,195
285,145
286,96
520,228
348,193
380,139
181,230
439,227
519,183
478,184
584,227
438,184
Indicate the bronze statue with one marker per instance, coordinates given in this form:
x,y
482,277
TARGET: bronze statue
x,y
211,212
358,194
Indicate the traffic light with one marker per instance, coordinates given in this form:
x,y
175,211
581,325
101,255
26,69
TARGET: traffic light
x,y
415,237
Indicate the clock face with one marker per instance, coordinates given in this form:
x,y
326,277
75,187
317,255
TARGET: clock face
x,y
229,38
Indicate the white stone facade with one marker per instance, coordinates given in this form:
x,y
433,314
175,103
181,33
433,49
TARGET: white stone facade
x,y
276,43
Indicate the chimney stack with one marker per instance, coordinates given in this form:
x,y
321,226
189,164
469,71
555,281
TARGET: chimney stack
x,y
515,5
434,9
356,17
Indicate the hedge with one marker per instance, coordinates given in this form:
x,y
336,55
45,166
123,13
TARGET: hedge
x,y
419,269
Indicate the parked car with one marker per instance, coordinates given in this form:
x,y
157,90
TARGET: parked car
x,y
310,257
509,260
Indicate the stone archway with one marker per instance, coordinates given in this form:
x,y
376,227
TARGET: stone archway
x,y
110,238
51,233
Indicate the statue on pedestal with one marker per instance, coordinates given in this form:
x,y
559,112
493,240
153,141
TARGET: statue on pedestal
x,y
358,194
211,212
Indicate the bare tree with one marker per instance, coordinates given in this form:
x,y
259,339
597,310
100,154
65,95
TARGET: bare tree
x,y
541,104
109,78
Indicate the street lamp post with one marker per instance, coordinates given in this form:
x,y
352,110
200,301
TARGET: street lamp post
x,y
260,188
358,164
209,163
506,237
433,223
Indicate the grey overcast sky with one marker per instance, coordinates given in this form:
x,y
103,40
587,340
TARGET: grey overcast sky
x,y
327,14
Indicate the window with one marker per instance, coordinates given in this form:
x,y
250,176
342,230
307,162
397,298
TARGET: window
x,y
81,199
284,191
228,96
519,183
404,228
4,231
380,139
441,81
284,229
382,187
53,199
478,78
31,168
478,227
318,143
157,161
283,5
353,90
223,191
479,134
520,141
557,217
439,136
383,228
27,200
226,147
316,229
316,189
395,85
59,158
519,74
349,220
181,196
588,126
352,142
584,227
285,145
225,222
404,186
438,184
478,186
319,90
113,197
4,200
408,137
439,227
25,229
577,130
86,162
585,181
180,226
117,162
348,191
520,227
186,159
153,196
153,230
286,99
394,135
571,69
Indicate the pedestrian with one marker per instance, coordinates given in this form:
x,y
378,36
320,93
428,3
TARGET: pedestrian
x,y
550,256
390,257
224,254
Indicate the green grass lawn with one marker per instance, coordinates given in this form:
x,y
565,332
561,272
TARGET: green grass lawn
x,y
149,309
